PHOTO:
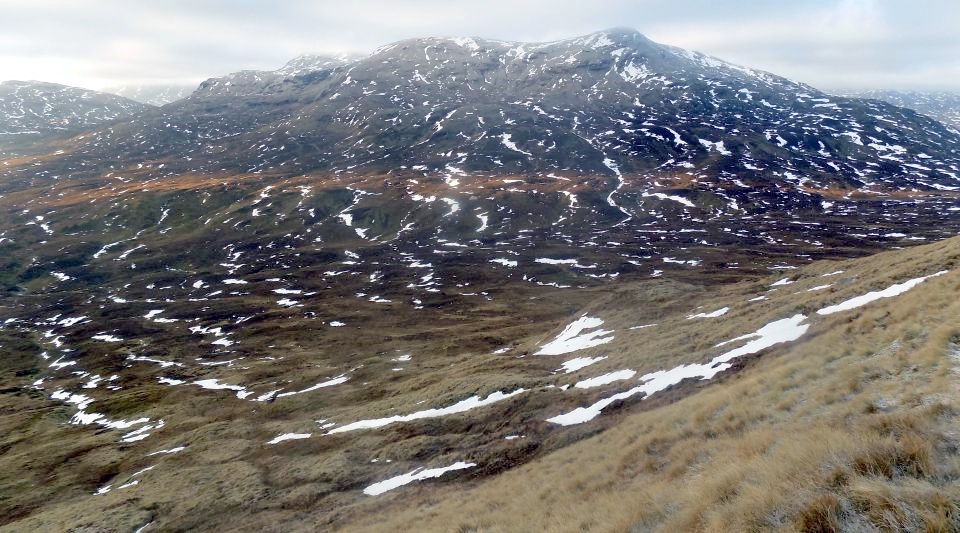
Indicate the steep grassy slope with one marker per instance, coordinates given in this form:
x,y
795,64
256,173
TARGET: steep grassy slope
x,y
851,428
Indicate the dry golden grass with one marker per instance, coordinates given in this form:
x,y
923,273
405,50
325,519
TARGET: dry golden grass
x,y
852,428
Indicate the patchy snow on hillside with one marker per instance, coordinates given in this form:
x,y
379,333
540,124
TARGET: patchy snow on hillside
x,y
777,332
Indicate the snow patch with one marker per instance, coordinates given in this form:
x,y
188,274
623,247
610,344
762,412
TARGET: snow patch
x,y
889,292
663,196
605,379
288,436
713,314
417,475
779,331
472,402
571,339
580,362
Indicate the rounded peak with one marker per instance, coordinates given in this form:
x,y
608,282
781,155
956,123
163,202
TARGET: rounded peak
x,y
619,36
623,32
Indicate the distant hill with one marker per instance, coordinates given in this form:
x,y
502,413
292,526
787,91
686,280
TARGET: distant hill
x,y
941,105
34,110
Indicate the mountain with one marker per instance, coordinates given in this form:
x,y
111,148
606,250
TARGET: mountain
x,y
605,104
234,88
610,283
32,111
154,95
604,134
941,105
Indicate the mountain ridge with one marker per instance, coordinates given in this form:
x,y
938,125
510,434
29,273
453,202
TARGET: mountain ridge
x,y
266,100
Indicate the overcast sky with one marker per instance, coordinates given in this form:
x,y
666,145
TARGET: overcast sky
x,y
827,43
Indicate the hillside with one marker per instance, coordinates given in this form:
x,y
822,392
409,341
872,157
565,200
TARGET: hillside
x,y
850,427
593,284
